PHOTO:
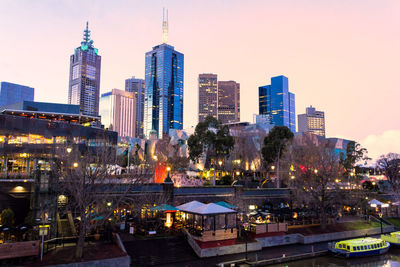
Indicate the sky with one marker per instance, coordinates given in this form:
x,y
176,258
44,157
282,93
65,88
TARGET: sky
x,y
340,56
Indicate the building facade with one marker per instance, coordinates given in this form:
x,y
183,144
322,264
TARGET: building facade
x,y
312,121
163,106
11,93
118,112
137,86
228,101
208,96
84,76
278,103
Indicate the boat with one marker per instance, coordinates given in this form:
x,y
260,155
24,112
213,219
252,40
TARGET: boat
x,y
359,247
393,238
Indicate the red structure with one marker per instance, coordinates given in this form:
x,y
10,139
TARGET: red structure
x,y
160,173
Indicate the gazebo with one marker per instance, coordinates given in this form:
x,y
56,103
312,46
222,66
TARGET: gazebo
x,y
209,222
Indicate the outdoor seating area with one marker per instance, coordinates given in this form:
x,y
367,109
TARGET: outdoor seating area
x,y
209,222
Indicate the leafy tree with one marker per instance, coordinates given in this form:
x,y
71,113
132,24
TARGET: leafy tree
x,y
210,138
274,146
354,153
7,217
275,143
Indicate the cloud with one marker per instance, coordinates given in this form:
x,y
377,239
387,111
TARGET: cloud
x,y
377,145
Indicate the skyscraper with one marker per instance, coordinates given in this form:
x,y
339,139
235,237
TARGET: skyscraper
x,y
84,76
228,101
312,121
278,103
11,93
137,86
163,104
118,112
208,96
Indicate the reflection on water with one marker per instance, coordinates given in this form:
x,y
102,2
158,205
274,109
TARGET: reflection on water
x,y
390,259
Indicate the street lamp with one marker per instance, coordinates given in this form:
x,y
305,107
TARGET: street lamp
x,y
75,164
380,219
168,169
69,149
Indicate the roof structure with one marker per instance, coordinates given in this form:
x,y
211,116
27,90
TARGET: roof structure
x,y
190,205
165,208
211,208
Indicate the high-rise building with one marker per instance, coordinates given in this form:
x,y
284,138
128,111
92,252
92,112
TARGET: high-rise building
x,y
278,103
11,93
84,76
163,104
208,96
228,101
137,87
118,112
312,121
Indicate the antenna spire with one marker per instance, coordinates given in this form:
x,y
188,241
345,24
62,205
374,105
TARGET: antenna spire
x,y
86,36
165,27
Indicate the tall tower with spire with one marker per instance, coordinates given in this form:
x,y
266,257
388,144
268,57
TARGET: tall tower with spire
x,y
84,76
163,101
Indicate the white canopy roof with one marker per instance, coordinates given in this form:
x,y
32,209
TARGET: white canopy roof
x,y
190,206
375,202
211,208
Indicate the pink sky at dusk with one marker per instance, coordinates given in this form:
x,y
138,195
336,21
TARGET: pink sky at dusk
x,y
340,56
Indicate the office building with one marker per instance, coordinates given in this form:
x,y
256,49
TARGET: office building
x,y
118,112
278,103
137,87
163,106
228,101
312,121
11,93
84,76
44,107
208,96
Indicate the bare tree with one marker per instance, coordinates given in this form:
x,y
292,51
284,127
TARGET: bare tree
x,y
169,153
312,171
93,194
390,165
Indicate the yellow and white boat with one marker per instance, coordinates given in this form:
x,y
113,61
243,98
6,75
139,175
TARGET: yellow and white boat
x,y
359,247
393,238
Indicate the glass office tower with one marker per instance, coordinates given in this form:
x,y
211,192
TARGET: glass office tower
x,y
163,106
228,101
278,103
11,93
84,76
137,87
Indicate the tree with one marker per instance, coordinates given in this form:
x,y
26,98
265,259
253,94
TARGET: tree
x,y
169,153
7,217
354,153
274,146
390,165
312,170
85,180
210,139
226,180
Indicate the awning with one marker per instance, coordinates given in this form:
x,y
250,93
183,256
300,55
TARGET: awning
x,y
226,205
164,208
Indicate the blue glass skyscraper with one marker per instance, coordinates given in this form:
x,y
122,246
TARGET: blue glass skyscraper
x,y
11,93
278,103
163,104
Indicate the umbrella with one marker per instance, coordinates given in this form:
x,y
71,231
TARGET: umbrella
x,y
375,202
165,208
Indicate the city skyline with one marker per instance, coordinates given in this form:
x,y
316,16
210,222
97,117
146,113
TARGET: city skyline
x,y
322,70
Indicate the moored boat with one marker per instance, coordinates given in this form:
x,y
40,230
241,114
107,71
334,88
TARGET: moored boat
x,y
393,238
359,247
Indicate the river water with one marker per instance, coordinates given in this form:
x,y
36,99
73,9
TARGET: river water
x,y
390,259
